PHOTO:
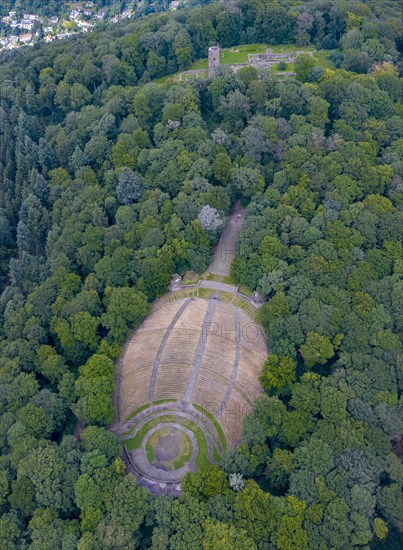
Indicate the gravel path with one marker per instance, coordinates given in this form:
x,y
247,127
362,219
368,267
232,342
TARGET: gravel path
x,y
226,249
214,285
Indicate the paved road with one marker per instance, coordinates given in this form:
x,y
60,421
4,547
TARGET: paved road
x,y
226,248
214,285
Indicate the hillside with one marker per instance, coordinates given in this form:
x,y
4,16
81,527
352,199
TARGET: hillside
x,y
113,177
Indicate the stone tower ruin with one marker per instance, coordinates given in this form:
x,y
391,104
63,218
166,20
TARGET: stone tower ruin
x,y
213,60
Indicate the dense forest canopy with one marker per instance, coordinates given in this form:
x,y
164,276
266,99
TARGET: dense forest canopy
x,y
104,175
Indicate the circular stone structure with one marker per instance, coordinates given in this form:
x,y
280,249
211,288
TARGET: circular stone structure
x,y
171,447
189,373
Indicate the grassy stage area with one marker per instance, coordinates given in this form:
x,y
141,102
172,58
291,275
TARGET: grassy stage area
x,y
184,448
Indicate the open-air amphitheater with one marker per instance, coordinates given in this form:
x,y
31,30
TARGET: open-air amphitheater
x,y
186,380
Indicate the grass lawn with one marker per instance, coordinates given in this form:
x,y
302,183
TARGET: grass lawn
x,y
216,424
135,442
186,453
242,288
143,407
202,460
216,454
229,280
205,292
190,277
239,54
289,68
201,64
245,290
322,57
212,277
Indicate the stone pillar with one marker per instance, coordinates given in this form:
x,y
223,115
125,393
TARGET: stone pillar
x,y
176,282
213,60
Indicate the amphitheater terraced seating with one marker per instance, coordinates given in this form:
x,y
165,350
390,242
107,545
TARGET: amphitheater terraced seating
x,y
171,380
161,356
134,392
180,346
251,391
160,317
232,417
248,373
220,356
134,361
210,387
193,315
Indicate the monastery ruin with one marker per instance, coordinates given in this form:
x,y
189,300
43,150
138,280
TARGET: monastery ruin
x,y
258,60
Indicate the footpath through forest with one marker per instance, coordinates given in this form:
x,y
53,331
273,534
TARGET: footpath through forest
x,y
225,250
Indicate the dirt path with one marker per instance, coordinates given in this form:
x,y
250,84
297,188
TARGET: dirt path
x,y
226,248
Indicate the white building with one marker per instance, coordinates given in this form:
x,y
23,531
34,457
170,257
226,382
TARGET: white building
x,y
26,24
84,25
100,14
75,14
24,38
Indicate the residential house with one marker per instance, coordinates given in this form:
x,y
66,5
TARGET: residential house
x,y
84,25
26,24
75,14
100,14
24,38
